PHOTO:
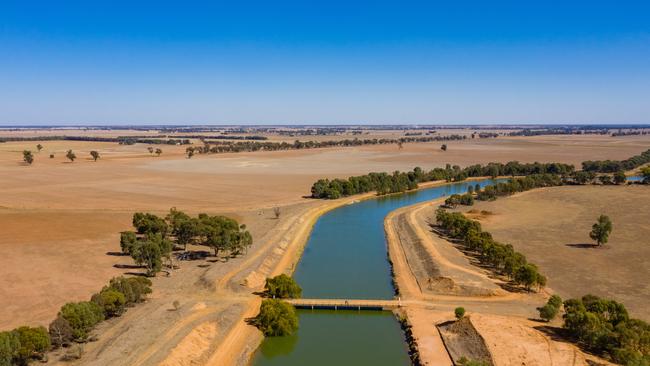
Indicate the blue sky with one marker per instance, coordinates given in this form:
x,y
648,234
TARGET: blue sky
x,y
116,62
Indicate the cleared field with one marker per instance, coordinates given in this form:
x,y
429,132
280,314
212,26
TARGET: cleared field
x,y
551,226
58,219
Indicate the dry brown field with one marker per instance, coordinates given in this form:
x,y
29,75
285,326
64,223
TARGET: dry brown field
x,y
59,219
551,227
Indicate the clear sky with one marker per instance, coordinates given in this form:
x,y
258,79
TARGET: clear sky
x,y
273,62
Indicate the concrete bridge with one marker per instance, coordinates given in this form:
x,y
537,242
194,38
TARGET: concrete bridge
x,y
344,304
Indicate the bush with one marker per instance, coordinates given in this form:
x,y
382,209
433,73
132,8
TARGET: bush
x,y
82,316
111,301
134,289
276,318
9,345
459,312
34,342
61,333
282,287
464,361
548,312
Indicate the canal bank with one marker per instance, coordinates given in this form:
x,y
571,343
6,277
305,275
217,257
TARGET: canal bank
x,y
346,258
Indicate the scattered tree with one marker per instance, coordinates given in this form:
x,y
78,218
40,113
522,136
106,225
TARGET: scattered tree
x,y
276,318
282,287
459,312
601,229
95,155
158,151
443,147
39,147
28,157
71,156
150,149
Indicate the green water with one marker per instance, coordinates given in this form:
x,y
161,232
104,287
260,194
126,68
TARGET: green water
x,y
338,338
346,258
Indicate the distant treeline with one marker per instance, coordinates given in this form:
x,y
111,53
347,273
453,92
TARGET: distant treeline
x,y
629,133
123,140
611,166
217,147
561,131
385,183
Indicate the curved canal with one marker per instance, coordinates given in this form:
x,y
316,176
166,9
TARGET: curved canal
x,y
346,257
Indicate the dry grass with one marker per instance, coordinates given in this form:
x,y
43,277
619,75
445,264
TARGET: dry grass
x,y
58,219
551,226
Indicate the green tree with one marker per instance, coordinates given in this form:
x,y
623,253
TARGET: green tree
x,y
82,317
28,157
128,240
276,318
134,289
548,312
95,155
619,177
34,342
61,333
111,300
282,287
527,275
601,229
148,253
70,156
459,312
39,147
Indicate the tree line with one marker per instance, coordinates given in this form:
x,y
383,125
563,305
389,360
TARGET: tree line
x,y
501,257
123,140
73,323
612,166
217,147
605,327
385,183
154,238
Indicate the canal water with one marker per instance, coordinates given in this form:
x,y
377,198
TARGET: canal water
x,y
346,258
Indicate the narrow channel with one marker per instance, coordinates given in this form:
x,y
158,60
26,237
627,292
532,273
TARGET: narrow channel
x,y
346,258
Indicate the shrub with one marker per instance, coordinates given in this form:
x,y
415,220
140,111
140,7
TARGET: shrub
x,y
34,342
548,312
82,316
459,312
9,345
134,288
283,287
111,301
276,318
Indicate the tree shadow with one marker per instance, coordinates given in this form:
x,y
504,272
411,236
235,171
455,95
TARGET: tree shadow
x,y
117,254
139,274
127,266
192,255
582,245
